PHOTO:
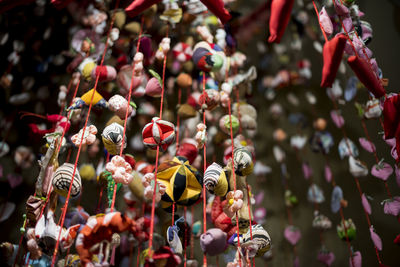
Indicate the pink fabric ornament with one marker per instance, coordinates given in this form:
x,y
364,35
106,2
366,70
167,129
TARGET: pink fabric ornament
x,y
357,260
119,105
205,34
365,203
337,118
201,135
328,173
235,202
138,64
367,145
182,52
158,133
148,183
325,21
88,138
375,238
153,87
292,234
124,79
105,73
307,171
120,170
326,257
382,170
392,206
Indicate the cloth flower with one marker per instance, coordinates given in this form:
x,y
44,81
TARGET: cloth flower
x,y
201,135
120,105
148,183
89,136
120,170
235,202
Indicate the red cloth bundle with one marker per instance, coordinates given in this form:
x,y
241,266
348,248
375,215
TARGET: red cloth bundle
x,y
365,74
332,53
279,19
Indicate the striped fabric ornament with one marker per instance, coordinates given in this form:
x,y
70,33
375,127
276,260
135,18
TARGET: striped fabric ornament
x,y
243,161
62,179
182,52
112,138
182,181
259,239
158,133
215,180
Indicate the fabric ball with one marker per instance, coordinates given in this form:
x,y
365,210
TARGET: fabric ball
x,y
112,138
158,133
213,242
215,180
225,125
87,171
184,80
153,88
320,124
188,149
62,179
105,73
243,161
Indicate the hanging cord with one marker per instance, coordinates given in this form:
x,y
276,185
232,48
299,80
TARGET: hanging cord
x,y
127,110
186,238
234,180
178,119
80,145
345,135
204,169
150,252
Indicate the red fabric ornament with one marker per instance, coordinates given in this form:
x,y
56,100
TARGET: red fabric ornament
x,y
219,217
105,73
215,6
365,74
332,53
391,120
158,133
130,159
279,19
144,167
188,150
397,240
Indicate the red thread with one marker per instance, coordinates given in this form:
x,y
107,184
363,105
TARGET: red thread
x,y
127,111
204,169
80,145
178,119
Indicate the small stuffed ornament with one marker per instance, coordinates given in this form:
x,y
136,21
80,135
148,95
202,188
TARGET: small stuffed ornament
x,y
112,138
88,138
85,99
243,161
201,135
120,170
213,242
182,52
182,181
158,133
163,48
104,73
225,124
120,106
235,202
62,179
215,180
208,57
332,54
256,241
148,181
279,19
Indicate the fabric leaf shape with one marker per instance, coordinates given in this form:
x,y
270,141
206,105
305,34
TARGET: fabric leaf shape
x,y
292,234
365,203
382,171
367,145
356,259
392,206
337,119
375,238
328,173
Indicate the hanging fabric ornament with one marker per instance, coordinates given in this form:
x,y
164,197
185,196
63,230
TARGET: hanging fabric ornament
x,y
315,194
346,226
292,234
373,109
213,242
148,181
365,74
120,170
215,180
112,138
208,57
183,183
158,133
89,137
332,54
120,106
62,179
279,19
357,168
243,161
84,101
105,73
182,52
225,126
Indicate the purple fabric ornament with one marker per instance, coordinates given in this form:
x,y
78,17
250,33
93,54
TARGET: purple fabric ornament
x,y
365,203
357,260
326,257
325,21
259,198
337,119
260,214
307,171
392,206
328,173
14,179
375,238
292,234
367,145
382,171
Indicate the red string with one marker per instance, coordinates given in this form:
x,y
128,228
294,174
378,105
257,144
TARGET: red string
x,y
80,145
127,111
234,179
191,234
178,119
346,139
185,239
150,253
250,219
173,214
204,169
322,29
